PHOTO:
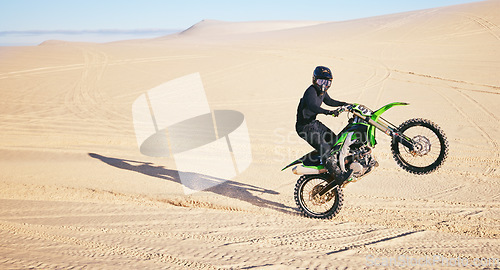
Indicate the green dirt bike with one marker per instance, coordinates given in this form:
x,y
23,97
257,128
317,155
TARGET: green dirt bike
x,y
418,145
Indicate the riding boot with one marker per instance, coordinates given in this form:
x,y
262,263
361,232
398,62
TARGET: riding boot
x,y
344,177
337,181
335,172
331,166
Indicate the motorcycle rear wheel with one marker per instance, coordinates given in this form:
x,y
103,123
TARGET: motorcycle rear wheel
x,y
430,143
313,206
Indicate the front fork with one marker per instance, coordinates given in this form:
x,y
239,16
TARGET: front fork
x,y
389,129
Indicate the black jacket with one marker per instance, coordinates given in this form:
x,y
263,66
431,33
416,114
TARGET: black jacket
x,y
309,105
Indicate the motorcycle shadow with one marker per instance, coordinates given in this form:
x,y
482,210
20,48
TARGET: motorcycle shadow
x,y
227,188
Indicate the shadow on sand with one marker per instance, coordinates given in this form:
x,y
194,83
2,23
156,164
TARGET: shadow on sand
x,y
227,188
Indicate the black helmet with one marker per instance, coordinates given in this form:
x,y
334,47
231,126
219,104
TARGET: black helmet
x,y
322,77
321,72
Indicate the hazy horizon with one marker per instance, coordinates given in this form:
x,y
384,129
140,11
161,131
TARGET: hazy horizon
x,y
28,22
35,37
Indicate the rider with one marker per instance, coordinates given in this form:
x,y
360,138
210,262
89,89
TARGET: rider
x,y
313,131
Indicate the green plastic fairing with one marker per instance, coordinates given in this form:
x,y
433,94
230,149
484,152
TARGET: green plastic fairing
x,y
382,110
376,115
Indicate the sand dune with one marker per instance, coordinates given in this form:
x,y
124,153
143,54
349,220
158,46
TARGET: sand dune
x,y
220,28
76,191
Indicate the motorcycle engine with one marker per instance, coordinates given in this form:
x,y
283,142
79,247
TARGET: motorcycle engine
x,y
362,161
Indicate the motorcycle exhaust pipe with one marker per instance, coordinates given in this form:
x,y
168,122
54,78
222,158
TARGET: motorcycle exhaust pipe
x,y
301,170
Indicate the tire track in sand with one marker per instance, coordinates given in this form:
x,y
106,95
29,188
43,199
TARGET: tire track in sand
x,y
379,76
326,241
492,89
429,214
492,142
214,238
486,24
47,233
69,67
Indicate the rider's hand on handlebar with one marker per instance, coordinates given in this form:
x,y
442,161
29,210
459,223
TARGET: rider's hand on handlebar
x,y
336,112
348,107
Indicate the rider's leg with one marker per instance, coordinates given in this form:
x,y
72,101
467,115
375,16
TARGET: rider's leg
x,y
321,138
328,139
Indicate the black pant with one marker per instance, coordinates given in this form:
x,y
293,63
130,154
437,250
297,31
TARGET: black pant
x,y
318,136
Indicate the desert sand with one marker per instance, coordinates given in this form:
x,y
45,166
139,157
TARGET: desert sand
x,y
76,192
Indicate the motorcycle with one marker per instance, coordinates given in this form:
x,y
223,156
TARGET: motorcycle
x,y
419,146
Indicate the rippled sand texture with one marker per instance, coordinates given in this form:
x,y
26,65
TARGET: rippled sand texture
x,y
76,192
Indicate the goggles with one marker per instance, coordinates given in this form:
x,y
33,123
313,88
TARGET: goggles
x,y
324,82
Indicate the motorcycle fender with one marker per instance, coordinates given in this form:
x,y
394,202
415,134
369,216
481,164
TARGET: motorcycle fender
x,y
375,116
301,160
382,110
298,161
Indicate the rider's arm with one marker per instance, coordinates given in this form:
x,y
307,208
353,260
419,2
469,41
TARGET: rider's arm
x,y
313,103
332,102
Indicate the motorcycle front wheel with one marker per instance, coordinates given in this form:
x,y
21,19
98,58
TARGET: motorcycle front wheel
x,y
430,146
311,204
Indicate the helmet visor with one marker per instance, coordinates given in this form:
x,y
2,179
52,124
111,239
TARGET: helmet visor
x,y
324,83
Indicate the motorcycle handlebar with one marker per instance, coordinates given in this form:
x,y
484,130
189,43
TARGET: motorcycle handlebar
x,y
342,109
347,108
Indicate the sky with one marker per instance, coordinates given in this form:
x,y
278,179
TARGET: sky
x,y
29,22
